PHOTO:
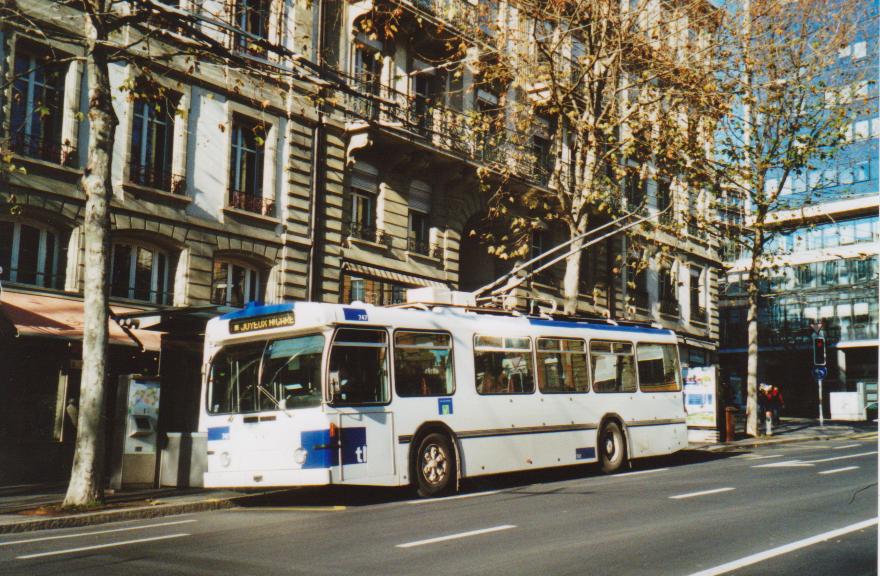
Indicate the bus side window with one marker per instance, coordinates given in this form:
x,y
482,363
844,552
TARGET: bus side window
x,y
423,364
503,365
613,366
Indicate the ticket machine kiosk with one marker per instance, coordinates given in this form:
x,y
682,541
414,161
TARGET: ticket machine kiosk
x,y
134,437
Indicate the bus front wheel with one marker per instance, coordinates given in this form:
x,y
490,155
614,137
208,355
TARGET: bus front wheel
x,y
435,465
612,447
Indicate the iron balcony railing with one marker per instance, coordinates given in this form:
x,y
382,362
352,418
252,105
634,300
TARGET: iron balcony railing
x,y
46,149
251,203
670,307
419,246
639,299
149,176
468,135
367,233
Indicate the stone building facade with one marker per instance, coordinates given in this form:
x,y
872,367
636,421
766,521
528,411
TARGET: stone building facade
x,y
352,182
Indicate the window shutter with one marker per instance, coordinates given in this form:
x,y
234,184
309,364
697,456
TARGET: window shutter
x,y
420,196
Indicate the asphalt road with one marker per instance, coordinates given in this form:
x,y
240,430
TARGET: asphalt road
x,y
798,509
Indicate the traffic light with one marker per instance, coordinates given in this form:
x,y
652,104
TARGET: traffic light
x,y
818,350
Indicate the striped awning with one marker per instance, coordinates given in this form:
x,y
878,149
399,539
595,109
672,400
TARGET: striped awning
x,y
390,275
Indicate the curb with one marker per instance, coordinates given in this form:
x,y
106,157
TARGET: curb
x,y
755,443
136,513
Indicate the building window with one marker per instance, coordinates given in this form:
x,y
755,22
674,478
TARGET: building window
x,y
636,188
372,291
140,273
152,146
668,291
251,19
247,167
697,295
362,203
29,255
419,237
664,200
38,107
235,284
419,240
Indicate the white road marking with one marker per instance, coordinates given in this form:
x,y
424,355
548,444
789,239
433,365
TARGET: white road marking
x,y
836,470
640,472
786,464
780,550
847,446
80,535
750,457
810,463
457,536
100,546
859,455
458,497
703,493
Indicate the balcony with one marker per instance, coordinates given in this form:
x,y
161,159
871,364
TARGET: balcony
x,y
44,149
450,130
458,13
146,175
251,203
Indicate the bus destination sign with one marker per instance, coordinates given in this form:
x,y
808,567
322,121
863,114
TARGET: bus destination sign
x,y
261,322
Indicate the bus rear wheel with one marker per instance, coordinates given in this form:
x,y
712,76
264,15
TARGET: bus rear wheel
x,y
612,447
435,465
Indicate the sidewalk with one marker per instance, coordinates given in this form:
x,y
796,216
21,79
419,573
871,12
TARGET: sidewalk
x,y
795,430
34,506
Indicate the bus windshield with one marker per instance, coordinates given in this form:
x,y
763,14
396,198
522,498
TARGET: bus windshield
x,y
266,375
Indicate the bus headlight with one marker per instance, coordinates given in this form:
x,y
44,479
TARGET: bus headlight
x,y
225,460
300,455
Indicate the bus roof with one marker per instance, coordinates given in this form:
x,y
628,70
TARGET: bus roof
x,y
256,319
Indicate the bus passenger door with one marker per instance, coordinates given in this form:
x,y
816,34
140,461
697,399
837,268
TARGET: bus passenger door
x,y
366,447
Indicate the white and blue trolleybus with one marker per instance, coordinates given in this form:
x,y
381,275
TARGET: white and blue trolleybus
x,y
425,394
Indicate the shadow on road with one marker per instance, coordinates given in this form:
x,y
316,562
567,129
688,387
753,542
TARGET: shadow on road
x,y
355,496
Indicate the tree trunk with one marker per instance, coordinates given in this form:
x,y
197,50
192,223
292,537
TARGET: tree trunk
x,y
752,369
752,327
87,476
571,280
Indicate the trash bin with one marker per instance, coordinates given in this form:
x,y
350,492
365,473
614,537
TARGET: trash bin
x,y
730,423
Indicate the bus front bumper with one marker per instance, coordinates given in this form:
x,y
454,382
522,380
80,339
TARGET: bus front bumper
x,y
251,479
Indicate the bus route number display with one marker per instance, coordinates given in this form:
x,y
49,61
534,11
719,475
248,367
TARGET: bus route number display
x,y
261,323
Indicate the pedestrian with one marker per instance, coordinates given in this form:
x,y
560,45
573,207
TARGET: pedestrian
x,y
775,403
764,411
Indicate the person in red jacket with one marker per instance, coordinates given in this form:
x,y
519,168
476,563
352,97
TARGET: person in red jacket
x,y
775,403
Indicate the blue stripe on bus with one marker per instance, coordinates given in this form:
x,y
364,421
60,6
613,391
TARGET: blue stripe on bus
x,y
584,453
218,433
322,450
256,309
603,327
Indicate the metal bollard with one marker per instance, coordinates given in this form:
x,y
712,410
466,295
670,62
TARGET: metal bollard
x,y
768,419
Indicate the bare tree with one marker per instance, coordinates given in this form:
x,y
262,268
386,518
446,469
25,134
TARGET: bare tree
x,y
148,34
787,104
